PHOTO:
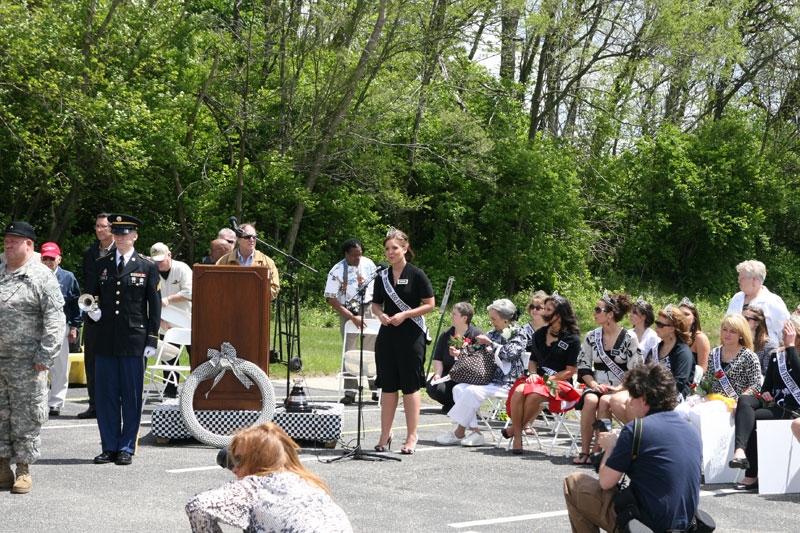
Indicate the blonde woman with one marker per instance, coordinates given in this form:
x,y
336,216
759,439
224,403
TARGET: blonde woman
x,y
273,492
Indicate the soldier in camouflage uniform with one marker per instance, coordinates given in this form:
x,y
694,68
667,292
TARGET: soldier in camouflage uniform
x,y
32,328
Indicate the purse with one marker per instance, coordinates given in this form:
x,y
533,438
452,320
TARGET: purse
x,y
475,366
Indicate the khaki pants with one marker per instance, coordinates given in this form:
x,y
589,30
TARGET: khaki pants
x,y
590,507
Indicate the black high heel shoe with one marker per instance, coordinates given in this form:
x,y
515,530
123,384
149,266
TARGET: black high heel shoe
x,y
743,463
504,432
517,451
385,447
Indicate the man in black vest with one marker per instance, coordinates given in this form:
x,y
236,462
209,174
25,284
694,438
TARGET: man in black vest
x,y
101,248
127,288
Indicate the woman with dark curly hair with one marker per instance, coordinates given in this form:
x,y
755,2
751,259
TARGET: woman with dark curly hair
x,y
607,353
698,341
554,354
762,343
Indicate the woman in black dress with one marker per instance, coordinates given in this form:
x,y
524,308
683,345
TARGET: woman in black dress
x,y
402,296
781,388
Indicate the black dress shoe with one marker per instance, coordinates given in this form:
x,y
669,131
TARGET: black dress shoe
x,y
347,399
89,413
54,411
504,432
744,464
105,458
742,486
375,397
124,459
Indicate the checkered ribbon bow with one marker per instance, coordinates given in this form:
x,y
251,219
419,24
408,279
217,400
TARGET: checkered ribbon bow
x,y
225,360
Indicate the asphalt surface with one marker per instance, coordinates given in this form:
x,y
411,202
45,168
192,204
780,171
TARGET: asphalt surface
x,y
438,489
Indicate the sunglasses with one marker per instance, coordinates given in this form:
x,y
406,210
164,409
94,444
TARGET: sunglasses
x,y
663,325
48,258
601,310
247,237
536,307
752,319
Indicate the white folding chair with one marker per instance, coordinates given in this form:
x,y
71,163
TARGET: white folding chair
x,y
497,406
351,354
177,318
181,337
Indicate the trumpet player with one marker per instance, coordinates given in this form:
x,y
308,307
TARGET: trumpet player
x,y
51,258
127,288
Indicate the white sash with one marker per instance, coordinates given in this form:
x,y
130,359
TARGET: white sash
x,y
653,355
418,320
787,378
550,371
724,381
598,344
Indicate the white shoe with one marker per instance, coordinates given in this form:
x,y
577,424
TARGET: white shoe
x,y
473,439
448,439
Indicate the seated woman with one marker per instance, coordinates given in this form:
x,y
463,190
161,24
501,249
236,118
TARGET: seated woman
x,y
535,310
607,353
274,491
672,327
733,369
508,342
641,318
781,387
762,344
698,341
445,354
554,354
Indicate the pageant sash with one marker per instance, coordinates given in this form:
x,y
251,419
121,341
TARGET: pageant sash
x,y
724,381
787,378
418,320
598,345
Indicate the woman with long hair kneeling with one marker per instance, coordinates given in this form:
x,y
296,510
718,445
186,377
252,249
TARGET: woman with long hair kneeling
x,y
274,491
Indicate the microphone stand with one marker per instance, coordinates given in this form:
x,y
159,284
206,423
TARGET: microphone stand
x,y
292,318
357,453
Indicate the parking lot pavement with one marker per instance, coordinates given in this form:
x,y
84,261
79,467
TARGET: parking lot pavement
x,y
438,489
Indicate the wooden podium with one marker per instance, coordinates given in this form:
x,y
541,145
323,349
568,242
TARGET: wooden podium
x,y
230,304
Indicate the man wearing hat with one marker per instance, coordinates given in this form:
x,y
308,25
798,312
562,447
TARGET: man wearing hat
x,y
59,384
176,291
127,289
31,332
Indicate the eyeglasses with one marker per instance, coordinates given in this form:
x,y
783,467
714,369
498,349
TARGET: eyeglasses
x,y
247,237
48,258
663,325
536,307
602,310
752,319
230,241
101,226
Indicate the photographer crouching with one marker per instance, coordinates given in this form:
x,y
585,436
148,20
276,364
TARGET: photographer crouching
x,y
661,454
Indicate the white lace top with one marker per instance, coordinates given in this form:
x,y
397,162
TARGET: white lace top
x,y
280,502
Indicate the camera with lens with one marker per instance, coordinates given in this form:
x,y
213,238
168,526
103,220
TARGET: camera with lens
x,y
225,459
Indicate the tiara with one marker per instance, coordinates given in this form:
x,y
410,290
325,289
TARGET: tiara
x,y
640,300
686,302
557,297
608,299
668,311
391,232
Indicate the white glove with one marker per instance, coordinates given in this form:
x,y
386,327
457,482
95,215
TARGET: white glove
x,y
95,315
149,351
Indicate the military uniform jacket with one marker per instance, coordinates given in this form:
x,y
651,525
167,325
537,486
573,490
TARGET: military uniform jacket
x,y
32,319
130,302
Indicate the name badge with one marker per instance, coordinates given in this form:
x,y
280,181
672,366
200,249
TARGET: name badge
x,y
615,352
402,282
563,345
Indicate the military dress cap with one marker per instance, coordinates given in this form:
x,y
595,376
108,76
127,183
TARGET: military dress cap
x,y
21,229
122,224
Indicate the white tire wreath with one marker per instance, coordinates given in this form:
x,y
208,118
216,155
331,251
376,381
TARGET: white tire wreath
x,y
207,371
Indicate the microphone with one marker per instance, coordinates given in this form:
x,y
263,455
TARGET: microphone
x,y
235,226
381,266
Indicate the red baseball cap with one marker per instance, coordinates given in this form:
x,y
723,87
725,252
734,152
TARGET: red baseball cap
x,y
50,249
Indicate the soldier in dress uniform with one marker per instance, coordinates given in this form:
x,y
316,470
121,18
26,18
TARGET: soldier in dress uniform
x,y
32,328
127,288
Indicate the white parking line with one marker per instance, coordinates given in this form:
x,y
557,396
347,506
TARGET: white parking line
x,y
71,426
552,514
